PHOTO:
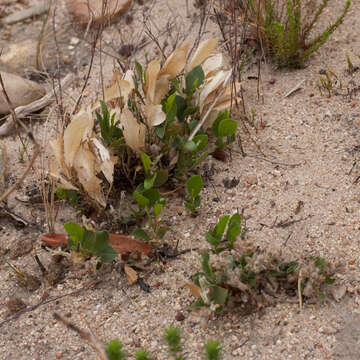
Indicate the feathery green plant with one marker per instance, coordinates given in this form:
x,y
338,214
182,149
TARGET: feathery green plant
x,y
285,28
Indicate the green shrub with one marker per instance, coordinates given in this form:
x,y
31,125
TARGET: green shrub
x,y
286,25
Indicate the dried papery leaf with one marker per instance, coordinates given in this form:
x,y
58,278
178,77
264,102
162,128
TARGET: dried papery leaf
x,y
119,89
213,64
134,132
226,95
194,289
162,88
152,73
64,184
78,130
203,51
57,147
176,62
84,165
129,77
154,115
131,275
213,84
104,161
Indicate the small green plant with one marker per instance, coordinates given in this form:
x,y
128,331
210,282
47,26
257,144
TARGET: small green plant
x,y
327,82
111,133
173,341
71,196
213,350
194,185
237,271
285,26
114,350
172,337
149,201
89,243
224,127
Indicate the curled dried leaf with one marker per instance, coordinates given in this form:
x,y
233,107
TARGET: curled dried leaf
x,y
154,114
134,132
131,275
213,64
104,161
194,289
84,165
213,84
79,129
203,51
152,73
176,62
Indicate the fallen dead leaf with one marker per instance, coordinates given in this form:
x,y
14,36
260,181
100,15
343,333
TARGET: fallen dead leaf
x,y
194,289
131,275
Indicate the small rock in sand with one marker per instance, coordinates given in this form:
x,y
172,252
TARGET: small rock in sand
x,y
20,91
85,11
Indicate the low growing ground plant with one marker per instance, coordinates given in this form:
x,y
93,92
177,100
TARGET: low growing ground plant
x,y
233,271
285,28
89,243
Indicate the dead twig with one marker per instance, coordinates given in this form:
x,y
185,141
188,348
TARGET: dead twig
x,y
86,335
294,89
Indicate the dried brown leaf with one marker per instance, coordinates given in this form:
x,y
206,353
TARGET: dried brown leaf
x,y
104,161
154,114
212,85
176,62
194,289
131,275
162,88
134,132
213,64
152,73
203,51
78,130
84,165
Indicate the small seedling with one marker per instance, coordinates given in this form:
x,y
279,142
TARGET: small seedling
x,y
172,337
213,350
149,201
194,185
327,81
89,243
110,129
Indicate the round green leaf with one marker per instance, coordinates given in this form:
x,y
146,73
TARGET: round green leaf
x,y
227,127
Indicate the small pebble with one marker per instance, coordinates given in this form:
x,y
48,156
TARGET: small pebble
x,y
180,316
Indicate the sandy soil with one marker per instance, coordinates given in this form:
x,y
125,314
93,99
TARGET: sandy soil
x,y
309,153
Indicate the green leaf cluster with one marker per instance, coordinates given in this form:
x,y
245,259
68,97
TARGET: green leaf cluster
x,y
111,132
89,243
194,185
